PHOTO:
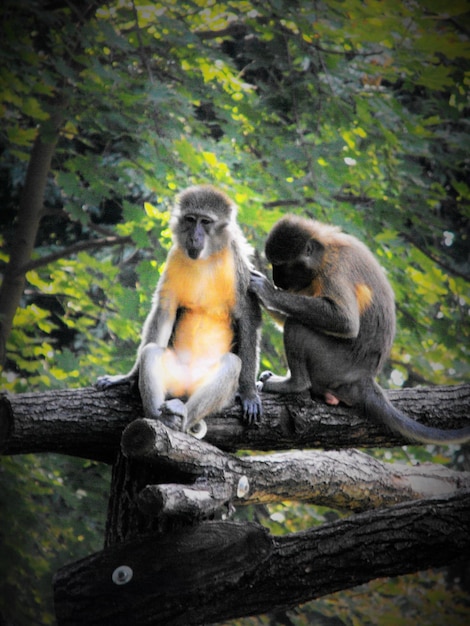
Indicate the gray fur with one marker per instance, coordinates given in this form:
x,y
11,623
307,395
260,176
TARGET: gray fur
x,y
333,348
203,222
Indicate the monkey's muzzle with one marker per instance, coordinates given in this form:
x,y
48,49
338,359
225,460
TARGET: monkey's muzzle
x,y
194,253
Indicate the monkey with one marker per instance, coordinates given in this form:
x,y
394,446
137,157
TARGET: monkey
x,y
200,341
338,313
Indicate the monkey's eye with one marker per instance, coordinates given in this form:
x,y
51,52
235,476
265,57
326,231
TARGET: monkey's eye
x,y
206,221
190,219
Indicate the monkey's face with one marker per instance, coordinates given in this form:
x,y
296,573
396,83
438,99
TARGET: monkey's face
x,y
200,221
292,276
200,235
294,252
295,271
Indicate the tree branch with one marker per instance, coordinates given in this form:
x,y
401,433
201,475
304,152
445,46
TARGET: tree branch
x,y
88,423
223,570
346,479
340,197
73,249
449,269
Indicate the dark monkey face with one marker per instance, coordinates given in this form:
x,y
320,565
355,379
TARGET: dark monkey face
x,y
200,221
294,276
196,229
202,235
297,268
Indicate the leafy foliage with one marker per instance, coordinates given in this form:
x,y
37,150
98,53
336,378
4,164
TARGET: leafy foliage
x,y
52,510
353,112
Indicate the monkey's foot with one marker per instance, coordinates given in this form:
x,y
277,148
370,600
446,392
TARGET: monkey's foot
x,y
173,413
104,382
331,399
264,376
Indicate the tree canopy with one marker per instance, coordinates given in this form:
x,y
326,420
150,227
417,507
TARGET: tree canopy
x,y
355,113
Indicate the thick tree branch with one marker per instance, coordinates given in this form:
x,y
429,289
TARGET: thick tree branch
x,y
347,479
222,570
88,423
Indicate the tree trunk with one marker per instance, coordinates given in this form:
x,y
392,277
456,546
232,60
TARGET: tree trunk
x,y
223,570
29,216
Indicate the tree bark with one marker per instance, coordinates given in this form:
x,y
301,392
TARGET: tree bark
x,y
223,570
88,423
220,570
349,479
29,216
79,422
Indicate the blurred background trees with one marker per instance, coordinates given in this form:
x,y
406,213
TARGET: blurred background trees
x,y
351,112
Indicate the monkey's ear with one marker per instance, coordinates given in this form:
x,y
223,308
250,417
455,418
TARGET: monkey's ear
x,y
314,249
313,253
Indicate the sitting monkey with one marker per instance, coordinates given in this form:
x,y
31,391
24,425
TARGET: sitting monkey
x,y
200,341
338,312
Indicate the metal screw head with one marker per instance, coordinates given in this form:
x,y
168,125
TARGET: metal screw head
x,y
243,487
122,575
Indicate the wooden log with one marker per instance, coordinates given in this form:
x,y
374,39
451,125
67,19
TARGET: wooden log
x,y
79,422
88,423
349,480
195,503
223,570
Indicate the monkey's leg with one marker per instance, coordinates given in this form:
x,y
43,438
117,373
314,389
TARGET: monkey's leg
x,y
329,362
152,387
216,393
296,340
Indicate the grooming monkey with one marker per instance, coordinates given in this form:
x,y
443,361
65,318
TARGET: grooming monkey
x,y
338,312
200,341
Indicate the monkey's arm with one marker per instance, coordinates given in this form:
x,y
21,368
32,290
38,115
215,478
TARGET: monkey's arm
x,y
334,312
248,340
157,328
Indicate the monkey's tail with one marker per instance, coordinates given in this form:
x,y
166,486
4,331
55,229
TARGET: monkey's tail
x,y
377,405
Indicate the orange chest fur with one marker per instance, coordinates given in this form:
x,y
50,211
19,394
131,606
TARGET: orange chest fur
x,y
206,285
206,291
314,289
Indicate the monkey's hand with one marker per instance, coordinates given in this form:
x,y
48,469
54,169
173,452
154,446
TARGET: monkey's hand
x,y
174,414
252,408
261,286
